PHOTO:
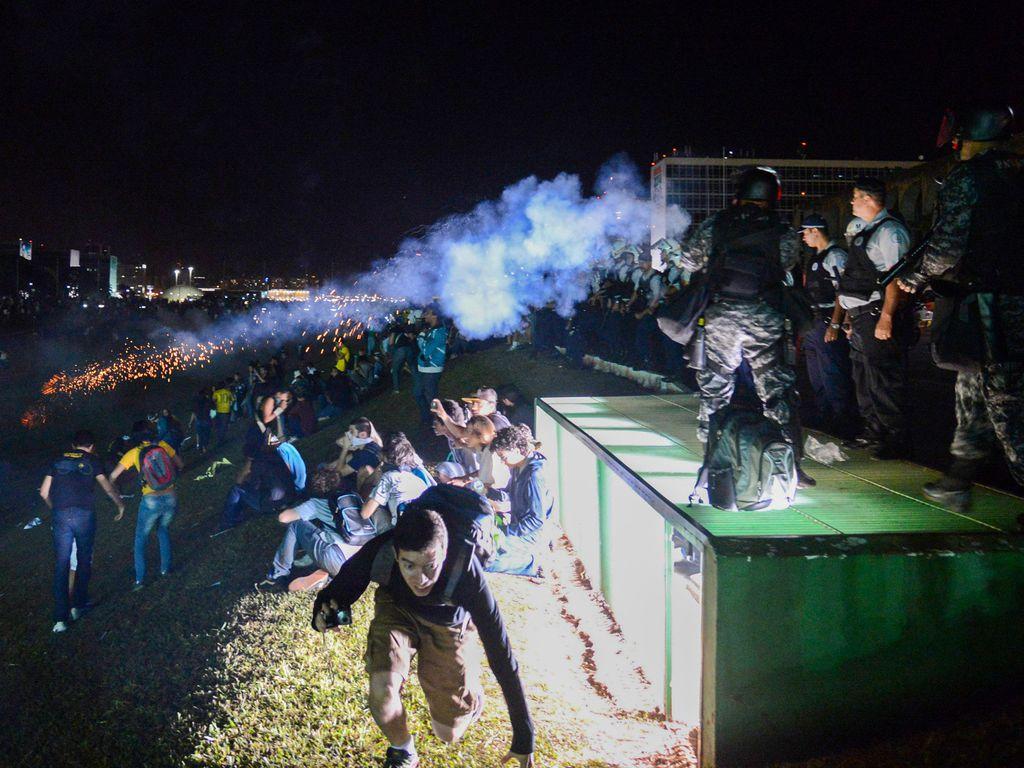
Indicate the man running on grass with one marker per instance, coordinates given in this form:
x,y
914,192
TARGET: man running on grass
x,y
429,591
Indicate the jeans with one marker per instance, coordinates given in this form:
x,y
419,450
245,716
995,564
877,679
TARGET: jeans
x,y
400,357
203,431
518,556
249,497
302,533
220,425
424,390
72,525
154,510
830,373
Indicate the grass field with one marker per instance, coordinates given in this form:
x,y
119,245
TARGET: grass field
x,y
200,669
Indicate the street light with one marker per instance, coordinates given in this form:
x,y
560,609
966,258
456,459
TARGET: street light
x,y
190,275
176,273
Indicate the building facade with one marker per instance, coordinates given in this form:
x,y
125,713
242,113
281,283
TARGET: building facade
x,y
703,185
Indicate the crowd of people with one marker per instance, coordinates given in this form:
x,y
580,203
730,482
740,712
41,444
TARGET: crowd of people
x,y
375,511
489,494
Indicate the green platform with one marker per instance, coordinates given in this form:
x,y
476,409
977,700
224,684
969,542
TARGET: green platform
x,y
781,633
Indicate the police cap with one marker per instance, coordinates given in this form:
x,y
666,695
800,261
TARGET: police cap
x,y
759,184
814,221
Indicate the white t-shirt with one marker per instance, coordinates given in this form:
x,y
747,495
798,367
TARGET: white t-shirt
x,y
493,471
395,488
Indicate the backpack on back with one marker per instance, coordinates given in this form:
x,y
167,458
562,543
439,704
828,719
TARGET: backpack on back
x,y
469,520
748,465
156,468
346,509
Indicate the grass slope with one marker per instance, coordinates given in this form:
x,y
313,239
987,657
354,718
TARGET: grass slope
x,y
199,669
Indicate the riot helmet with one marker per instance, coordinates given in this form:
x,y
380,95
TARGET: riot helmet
x,y
978,123
986,123
759,183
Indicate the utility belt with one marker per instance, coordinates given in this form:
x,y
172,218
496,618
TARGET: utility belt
x,y
874,307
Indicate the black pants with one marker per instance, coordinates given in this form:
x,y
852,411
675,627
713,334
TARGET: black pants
x,y
880,372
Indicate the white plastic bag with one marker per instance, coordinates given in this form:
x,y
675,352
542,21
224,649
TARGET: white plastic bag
x,y
823,453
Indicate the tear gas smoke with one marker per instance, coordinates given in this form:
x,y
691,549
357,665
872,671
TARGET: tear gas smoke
x,y
487,269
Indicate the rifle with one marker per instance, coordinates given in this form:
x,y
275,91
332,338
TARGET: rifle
x,y
911,260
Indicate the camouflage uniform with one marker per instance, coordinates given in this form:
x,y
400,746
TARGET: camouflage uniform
x,y
990,403
738,330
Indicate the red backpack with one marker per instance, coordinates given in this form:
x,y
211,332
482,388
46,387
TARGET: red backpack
x,y
156,468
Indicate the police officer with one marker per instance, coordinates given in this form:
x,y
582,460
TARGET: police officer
x,y
979,225
647,295
749,251
826,350
881,321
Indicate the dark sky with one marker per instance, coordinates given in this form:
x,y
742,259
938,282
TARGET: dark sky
x,y
227,134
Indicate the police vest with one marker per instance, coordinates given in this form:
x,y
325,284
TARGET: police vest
x,y
818,280
860,279
745,255
996,224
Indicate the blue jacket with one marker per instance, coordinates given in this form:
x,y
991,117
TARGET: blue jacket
x,y
530,499
432,344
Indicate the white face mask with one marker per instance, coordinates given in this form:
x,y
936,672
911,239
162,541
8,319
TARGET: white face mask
x,y
359,441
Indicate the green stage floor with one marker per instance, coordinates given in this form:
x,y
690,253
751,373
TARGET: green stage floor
x,y
653,438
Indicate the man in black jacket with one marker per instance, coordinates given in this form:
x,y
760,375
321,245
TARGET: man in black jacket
x,y
427,596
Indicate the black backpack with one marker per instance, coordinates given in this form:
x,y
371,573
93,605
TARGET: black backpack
x,y
748,465
469,520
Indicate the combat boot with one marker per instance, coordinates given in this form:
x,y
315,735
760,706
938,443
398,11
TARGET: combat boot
x,y
953,494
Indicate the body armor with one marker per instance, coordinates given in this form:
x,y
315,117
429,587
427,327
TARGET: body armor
x,y
860,279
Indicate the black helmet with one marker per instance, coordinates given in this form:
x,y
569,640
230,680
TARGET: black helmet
x,y
978,123
986,123
759,184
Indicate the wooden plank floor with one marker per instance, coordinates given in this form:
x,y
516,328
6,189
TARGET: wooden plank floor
x,y
655,436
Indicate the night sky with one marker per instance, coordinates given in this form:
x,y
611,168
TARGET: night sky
x,y
233,137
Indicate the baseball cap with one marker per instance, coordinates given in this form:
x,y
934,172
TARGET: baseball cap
x,y
451,469
486,394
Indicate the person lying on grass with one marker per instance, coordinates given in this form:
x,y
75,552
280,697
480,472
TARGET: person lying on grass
x,y
429,591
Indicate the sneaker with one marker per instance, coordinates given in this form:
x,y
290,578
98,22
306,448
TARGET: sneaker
x,y
803,480
269,584
945,492
77,613
303,562
400,758
138,585
60,626
317,580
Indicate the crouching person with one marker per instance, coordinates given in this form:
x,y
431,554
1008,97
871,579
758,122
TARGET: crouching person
x,y
530,503
328,527
431,586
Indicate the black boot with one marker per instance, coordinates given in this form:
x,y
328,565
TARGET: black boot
x,y
953,490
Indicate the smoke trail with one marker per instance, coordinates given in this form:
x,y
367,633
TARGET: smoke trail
x,y
488,269
535,245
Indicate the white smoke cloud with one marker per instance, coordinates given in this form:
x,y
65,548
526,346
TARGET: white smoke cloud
x,y
536,244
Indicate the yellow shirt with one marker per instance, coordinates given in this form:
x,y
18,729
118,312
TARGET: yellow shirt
x,y
344,355
223,399
131,461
